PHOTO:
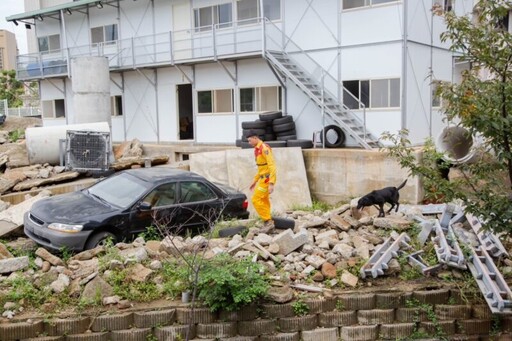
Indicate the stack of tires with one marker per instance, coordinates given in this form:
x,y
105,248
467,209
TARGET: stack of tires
x,y
275,129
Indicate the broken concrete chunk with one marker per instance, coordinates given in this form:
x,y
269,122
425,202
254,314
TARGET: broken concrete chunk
x,y
13,264
288,241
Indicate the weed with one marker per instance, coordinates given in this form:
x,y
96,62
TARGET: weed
x,y
65,254
339,305
316,206
228,283
300,308
15,135
431,316
408,272
151,233
356,268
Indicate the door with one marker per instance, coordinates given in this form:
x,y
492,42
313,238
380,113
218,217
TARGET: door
x,y
185,116
199,206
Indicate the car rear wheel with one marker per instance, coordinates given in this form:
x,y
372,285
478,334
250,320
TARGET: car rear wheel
x,y
99,239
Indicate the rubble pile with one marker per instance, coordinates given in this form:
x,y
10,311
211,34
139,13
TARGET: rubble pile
x,y
316,256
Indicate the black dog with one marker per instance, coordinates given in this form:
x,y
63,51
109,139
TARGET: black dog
x,y
381,196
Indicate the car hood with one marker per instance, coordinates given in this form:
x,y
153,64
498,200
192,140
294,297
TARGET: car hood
x,y
76,207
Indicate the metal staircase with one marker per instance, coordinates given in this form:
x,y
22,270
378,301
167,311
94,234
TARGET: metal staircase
x,y
288,65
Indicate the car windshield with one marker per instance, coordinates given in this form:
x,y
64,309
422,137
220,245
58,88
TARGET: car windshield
x,y
120,190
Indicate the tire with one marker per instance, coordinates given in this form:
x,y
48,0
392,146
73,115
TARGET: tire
x,y
283,223
231,231
286,137
98,239
282,120
259,131
238,142
334,136
246,145
304,144
254,124
276,144
269,137
101,173
270,115
288,132
284,127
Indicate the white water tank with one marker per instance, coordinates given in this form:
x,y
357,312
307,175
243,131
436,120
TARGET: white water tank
x,y
90,82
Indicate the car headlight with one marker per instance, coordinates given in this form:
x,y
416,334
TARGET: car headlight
x,y
65,227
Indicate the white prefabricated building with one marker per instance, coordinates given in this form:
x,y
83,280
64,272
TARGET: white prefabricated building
x,y
194,70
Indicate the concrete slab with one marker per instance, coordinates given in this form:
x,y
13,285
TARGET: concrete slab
x,y
236,167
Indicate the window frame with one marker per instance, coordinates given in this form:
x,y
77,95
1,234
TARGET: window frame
x,y
259,12
48,39
368,104
214,100
104,34
215,16
57,108
367,4
116,106
258,99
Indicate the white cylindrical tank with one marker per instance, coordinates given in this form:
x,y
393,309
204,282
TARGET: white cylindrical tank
x,y
458,145
43,142
90,82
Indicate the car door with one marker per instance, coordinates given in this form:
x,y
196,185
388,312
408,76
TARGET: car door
x,y
158,208
199,205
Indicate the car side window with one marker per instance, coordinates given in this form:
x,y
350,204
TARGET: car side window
x,y
195,191
163,195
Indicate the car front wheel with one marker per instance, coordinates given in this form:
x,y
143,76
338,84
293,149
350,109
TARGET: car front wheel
x,y
99,239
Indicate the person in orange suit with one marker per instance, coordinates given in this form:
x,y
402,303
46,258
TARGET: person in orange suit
x,y
264,180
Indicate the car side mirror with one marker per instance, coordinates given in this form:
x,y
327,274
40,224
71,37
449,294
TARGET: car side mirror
x,y
144,206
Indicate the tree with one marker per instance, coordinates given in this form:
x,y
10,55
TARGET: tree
x,y
482,104
11,89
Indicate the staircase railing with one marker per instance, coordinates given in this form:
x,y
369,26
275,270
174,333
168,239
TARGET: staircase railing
x,y
276,41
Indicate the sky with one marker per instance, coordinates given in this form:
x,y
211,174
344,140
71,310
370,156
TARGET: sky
x,y
8,8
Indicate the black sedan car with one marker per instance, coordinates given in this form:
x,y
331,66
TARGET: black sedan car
x,y
125,204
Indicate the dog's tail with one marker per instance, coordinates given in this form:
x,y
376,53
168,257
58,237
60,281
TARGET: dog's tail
x,y
402,185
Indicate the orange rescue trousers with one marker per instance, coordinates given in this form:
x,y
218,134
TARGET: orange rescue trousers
x,y
261,199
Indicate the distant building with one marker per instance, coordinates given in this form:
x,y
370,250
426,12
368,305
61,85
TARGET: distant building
x,y
8,50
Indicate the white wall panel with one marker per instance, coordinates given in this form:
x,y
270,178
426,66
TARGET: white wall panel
x,y
216,129
253,72
140,100
50,91
372,24
213,76
376,61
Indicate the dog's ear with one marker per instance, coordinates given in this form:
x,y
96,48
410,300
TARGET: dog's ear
x,y
360,203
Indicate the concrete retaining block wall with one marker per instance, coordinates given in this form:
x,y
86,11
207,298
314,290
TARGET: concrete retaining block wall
x,y
362,318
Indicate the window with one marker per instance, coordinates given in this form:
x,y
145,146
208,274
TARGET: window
x,y
163,195
446,5
195,191
348,4
205,17
249,10
116,105
54,109
215,101
378,93
104,34
260,99
49,43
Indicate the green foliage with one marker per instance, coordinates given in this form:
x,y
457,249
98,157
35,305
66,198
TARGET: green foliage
x,y
300,308
176,277
340,306
15,135
23,289
408,272
151,233
227,283
11,89
428,310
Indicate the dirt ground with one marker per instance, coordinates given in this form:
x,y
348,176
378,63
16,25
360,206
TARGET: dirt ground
x,y
15,123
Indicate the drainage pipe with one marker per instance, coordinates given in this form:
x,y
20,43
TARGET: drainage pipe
x,y
458,145
43,142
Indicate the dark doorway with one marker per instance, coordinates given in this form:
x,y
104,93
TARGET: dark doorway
x,y
185,115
